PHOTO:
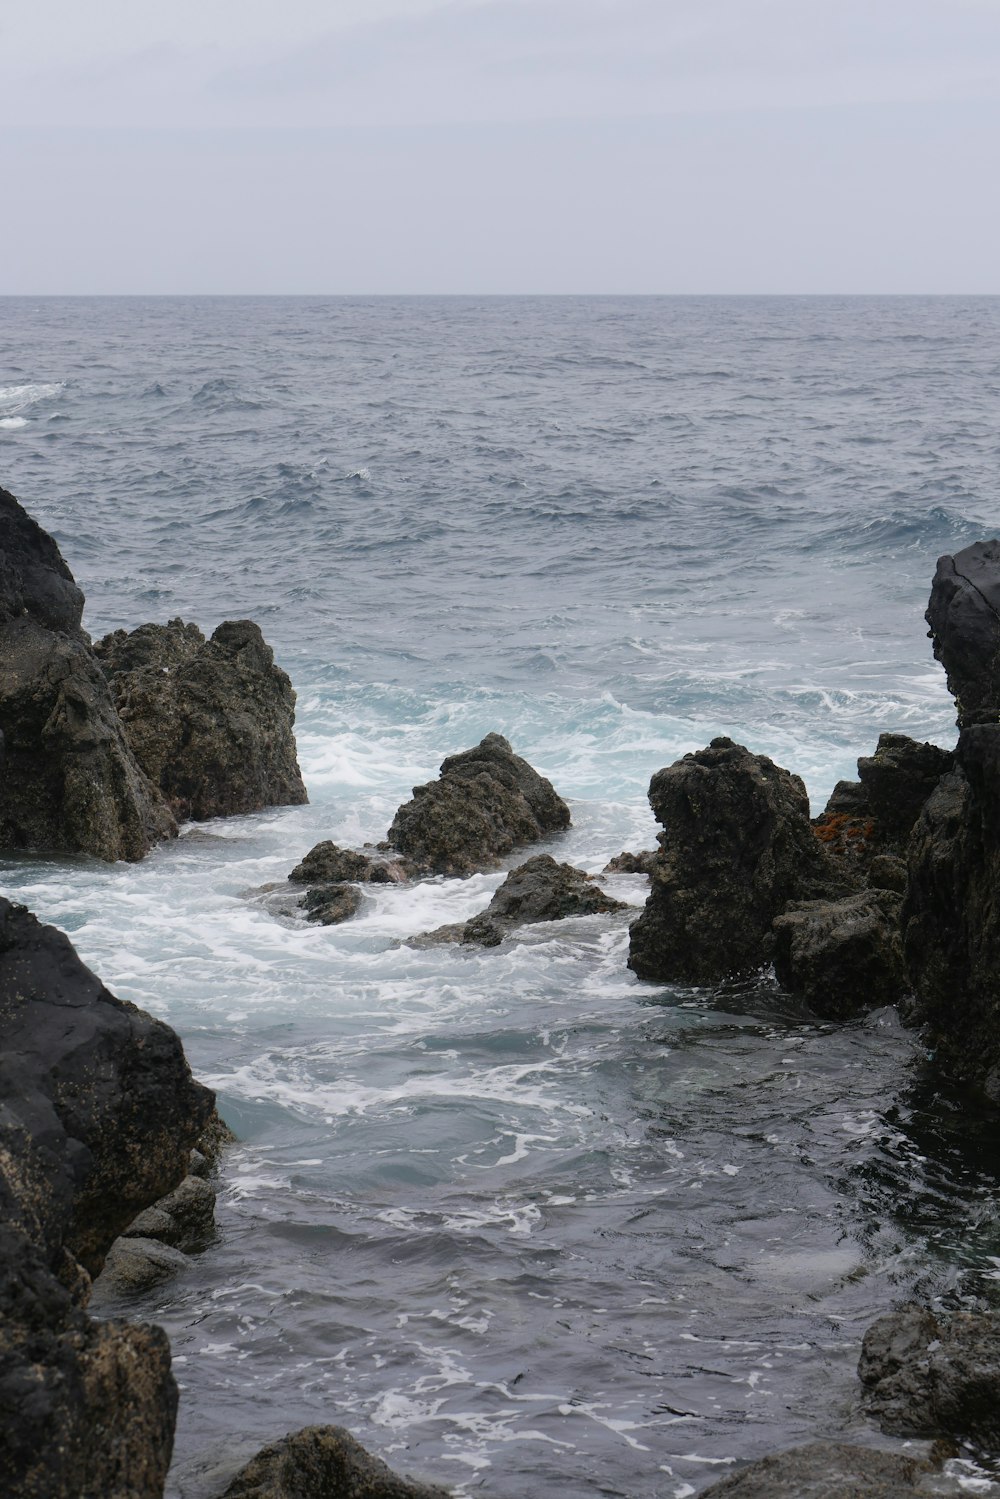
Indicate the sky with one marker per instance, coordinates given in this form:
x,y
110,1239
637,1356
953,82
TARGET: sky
x,y
500,146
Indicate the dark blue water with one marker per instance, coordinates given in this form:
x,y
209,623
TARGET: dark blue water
x,y
511,1216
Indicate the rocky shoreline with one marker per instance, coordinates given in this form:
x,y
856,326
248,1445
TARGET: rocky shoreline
x,y
891,896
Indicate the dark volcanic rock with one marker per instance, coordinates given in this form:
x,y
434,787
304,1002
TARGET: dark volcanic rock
x,y
326,864
486,802
934,1376
538,890
331,904
70,782
738,847
824,1470
209,721
98,1113
874,816
951,915
627,863
184,1219
964,616
136,1264
843,956
323,1462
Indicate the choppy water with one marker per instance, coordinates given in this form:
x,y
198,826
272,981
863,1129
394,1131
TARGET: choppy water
x,y
512,1216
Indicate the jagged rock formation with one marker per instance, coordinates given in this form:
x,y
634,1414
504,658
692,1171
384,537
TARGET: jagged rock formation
x,y
486,802
541,889
210,721
629,863
964,616
825,1470
323,1462
934,1376
843,956
738,847
98,1116
70,781
871,819
327,864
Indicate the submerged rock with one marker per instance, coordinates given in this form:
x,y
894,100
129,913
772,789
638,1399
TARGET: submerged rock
x,y
825,1470
323,1462
486,802
330,904
70,781
327,864
843,956
98,1115
738,847
210,721
934,1376
541,889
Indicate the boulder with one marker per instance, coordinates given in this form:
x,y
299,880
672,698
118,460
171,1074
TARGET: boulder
x,y
326,864
934,1376
964,618
541,889
738,847
70,780
825,1470
331,904
323,1462
628,863
135,1264
184,1218
486,802
98,1115
210,721
873,817
843,956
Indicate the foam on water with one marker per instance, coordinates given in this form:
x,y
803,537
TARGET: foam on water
x,y
512,1216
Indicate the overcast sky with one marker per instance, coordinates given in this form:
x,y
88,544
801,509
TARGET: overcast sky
x,y
501,146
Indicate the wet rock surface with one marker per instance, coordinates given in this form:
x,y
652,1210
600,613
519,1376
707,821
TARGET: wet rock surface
x,y
541,889
329,905
328,864
964,618
738,848
844,957
934,1376
825,1470
210,721
70,782
98,1116
486,802
323,1462
629,863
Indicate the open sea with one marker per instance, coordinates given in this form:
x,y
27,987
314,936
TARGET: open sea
x,y
513,1217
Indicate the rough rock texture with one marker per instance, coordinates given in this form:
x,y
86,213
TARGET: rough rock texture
x,y
486,802
70,782
824,1470
327,864
209,721
98,1114
323,1462
930,1376
964,616
135,1264
331,904
738,847
843,956
541,889
184,1218
873,817
628,863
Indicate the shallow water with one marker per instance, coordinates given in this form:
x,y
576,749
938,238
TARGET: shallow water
x,y
512,1216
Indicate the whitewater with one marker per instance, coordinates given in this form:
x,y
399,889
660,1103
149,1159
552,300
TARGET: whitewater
x,y
512,1216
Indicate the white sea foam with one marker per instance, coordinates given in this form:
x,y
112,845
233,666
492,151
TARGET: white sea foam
x,y
14,398
11,423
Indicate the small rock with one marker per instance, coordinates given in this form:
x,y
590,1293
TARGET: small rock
x,y
935,1376
843,956
323,1462
824,1470
135,1265
541,889
626,863
326,864
331,904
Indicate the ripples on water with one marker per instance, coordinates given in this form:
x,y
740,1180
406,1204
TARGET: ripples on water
x,y
511,1216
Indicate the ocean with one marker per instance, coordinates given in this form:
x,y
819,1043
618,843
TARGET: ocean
x,y
512,1216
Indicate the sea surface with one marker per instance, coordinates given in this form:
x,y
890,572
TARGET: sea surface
x,y
513,1217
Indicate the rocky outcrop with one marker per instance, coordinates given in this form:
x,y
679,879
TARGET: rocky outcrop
x,y
323,1462
934,1376
826,1470
541,889
98,1116
327,864
70,782
738,847
629,863
871,819
843,956
964,619
210,721
486,802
